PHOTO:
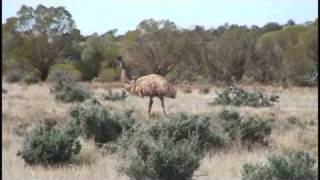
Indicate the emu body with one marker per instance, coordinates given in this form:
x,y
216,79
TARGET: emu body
x,y
152,85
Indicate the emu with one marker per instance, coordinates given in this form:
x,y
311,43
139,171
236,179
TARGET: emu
x,y
151,85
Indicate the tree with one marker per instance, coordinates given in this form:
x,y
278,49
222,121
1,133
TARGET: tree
x,y
266,67
43,34
282,54
271,26
152,47
8,42
301,58
290,22
97,53
233,50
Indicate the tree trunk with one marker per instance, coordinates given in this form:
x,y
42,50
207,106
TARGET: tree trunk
x,y
44,74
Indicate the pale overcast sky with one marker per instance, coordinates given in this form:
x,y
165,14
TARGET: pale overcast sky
x,y
102,15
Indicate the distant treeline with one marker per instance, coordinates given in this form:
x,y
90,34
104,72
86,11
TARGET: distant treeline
x,y
39,41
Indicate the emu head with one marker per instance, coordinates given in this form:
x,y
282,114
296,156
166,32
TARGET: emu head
x,y
120,61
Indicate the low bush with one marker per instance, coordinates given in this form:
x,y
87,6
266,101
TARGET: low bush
x,y
115,96
247,130
66,89
297,166
254,130
230,122
47,144
181,126
204,90
31,79
238,97
15,75
144,157
99,124
170,149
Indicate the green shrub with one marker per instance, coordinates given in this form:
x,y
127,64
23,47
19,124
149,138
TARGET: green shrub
x,y
31,79
67,89
47,144
204,90
238,97
169,149
254,130
230,122
115,96
144,157
247,130
297,167
14,75
109,74
181,126
99,124
69,69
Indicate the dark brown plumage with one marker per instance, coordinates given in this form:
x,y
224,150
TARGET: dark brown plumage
x,y
151,85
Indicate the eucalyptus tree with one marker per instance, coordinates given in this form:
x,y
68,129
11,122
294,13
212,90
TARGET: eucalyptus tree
x,y
44,35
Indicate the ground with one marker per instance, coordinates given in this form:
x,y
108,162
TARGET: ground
x,y
24,106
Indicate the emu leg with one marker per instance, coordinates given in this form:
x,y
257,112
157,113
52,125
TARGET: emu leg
x,y
150,105
162,103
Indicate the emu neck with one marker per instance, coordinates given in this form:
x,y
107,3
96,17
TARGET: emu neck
x,y
124,76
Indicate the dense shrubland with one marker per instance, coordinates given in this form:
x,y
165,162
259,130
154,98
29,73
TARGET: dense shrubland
x,y
274,53
167,148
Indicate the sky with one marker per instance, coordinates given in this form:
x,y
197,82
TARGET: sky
x,y
99,16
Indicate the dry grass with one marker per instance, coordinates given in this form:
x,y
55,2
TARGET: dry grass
x,y
28,104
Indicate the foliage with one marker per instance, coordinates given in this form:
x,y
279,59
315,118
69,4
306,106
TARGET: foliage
x,y
238,97
297,166
48,144
31,79
271,26
274,53
42,35
115,96
162,159
287,55
254,130
171,148
67,68
66,88
230,122
97,53
151,47
181,126
14,76
99,124
204,90
248,130
109,74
